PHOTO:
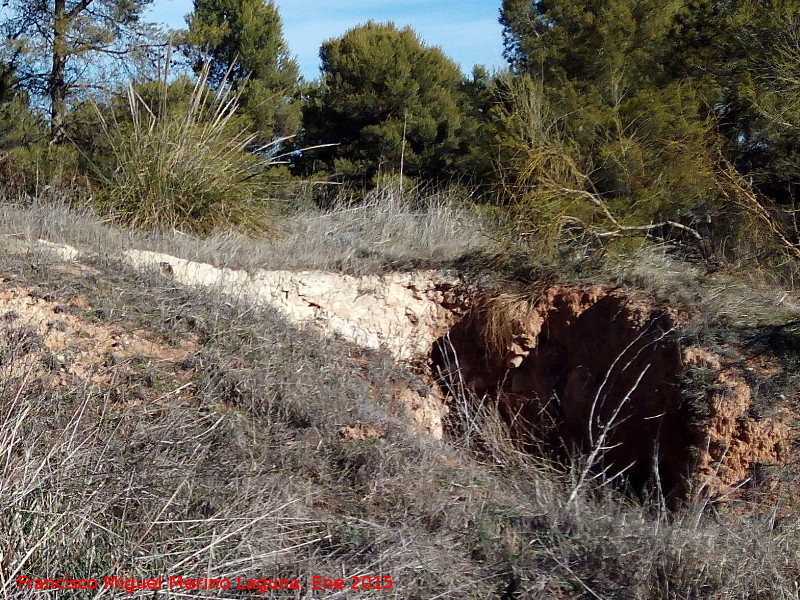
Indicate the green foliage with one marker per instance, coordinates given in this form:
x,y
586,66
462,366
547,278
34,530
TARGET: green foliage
x,y
180,158
608,135
44,170
655,101
762,117
242,42
386,100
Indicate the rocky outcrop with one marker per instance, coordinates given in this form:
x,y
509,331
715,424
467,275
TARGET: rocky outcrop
x,y
401,313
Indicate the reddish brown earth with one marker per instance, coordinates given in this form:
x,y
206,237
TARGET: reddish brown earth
x,y
601,370
736,445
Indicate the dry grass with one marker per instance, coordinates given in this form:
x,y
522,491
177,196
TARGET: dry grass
x,y
730,297
387,232
244,471
246,476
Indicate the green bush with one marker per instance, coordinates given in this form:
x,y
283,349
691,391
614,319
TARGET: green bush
x,y
185,164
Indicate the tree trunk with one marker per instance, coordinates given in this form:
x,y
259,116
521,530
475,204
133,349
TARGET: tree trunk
x,y
58,84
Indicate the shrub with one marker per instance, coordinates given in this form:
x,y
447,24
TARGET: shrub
x,y
187,165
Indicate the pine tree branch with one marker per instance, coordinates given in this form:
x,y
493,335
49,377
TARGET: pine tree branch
x,y
77,9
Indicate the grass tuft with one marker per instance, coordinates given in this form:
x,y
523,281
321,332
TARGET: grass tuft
x,y
188,166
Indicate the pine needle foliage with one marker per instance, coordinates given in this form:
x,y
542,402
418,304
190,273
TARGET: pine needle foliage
x,y
635,119
241,43
188,165
388,103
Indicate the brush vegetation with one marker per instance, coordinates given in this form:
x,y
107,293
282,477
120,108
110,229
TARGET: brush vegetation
x,y
188,165
652,144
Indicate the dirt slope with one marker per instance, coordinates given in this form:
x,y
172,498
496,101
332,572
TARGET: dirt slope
x,y
604,371
592,368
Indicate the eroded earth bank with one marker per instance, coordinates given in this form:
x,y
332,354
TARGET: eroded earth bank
x,y
597,371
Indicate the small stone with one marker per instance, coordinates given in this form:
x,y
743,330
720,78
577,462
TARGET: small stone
x,y
514,361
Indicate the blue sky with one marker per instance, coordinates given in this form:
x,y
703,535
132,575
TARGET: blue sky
x,y
466,30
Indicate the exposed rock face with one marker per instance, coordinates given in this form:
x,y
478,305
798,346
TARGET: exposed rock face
x,y
58,251
402,313
595,367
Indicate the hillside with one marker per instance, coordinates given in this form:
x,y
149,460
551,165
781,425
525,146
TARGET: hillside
x,y
443,431
405,329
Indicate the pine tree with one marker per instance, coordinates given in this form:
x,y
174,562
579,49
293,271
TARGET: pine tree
x,y
52,44
637,128
242,40
761,114
387,100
